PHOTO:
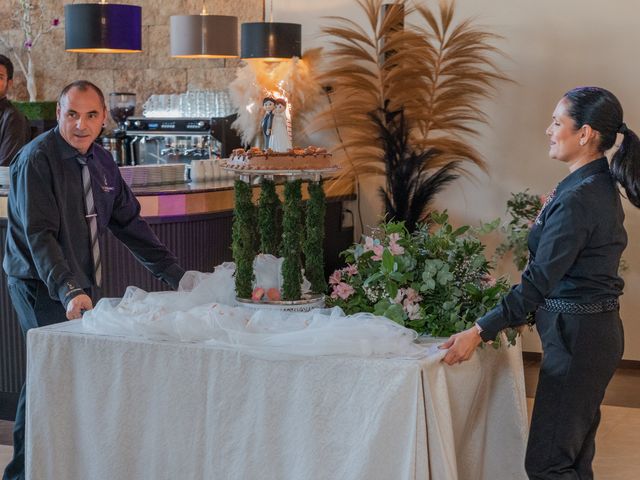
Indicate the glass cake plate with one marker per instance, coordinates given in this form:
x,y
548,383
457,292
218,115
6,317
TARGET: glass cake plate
x,y
307,303
287,173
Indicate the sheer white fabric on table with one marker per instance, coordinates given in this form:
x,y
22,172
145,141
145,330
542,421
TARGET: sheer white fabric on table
x,y
204,310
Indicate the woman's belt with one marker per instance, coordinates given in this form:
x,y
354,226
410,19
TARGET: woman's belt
x,y
563,306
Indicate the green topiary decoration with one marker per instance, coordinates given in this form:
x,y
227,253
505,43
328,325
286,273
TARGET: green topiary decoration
x,y
243,238
291,240
313,244
267,217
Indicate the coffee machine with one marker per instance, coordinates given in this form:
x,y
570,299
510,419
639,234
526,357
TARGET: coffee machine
x,y
179,140
121,106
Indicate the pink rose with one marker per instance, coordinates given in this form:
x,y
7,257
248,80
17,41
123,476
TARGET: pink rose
x,y
377,252
394,248
342,290
335,278
368,244
351,270
412,310
413,296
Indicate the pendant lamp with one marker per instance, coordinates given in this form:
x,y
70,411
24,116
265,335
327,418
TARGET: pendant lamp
x,y
102,28
271,41
204,36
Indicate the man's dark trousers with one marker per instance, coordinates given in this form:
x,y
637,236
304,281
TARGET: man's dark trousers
x,y
581,353
34,308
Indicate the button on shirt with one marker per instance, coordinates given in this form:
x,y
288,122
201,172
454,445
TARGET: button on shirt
x,y
48,235
575,248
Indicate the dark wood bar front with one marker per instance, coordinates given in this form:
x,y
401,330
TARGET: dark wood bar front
x,y
194,221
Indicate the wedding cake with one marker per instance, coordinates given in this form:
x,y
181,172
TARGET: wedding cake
x,y
310,158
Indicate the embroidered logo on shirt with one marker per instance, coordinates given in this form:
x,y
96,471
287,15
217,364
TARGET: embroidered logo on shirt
x,y
105,187
547,200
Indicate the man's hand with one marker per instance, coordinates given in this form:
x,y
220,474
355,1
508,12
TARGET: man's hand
x,y
78,305
461,346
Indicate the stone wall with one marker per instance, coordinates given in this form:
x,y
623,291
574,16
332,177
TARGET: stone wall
x,y
152,71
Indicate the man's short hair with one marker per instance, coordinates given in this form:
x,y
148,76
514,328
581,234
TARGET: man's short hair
x,y
8,65
83,86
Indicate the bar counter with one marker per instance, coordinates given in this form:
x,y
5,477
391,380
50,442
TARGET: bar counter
x,y
194,220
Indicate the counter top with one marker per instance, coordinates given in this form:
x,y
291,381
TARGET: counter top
x,y
202,198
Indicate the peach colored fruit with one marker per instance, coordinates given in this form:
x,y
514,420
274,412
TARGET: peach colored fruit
x,y
273,294
257,294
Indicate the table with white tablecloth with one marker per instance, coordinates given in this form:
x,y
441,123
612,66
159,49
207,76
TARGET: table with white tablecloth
x,y
125,407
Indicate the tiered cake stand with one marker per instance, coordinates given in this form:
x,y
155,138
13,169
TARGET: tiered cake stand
x,y
245,233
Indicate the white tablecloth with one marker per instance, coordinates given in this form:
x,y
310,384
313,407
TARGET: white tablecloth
x,y
108,407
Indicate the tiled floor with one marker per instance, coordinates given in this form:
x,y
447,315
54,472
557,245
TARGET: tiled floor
x,y
618,440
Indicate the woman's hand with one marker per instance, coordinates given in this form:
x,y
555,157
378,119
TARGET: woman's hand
x,y
461,346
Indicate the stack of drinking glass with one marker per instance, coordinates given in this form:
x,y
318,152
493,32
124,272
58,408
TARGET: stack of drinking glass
x,y
196,104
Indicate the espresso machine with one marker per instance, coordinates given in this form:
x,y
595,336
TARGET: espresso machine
x,y
179,140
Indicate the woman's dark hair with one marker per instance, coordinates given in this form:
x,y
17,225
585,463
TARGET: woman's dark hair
x,y
601,110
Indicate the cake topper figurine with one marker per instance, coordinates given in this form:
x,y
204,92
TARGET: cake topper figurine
x,y
280,139
268,104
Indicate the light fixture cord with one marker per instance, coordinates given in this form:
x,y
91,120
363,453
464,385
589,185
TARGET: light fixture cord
x,y
271,11
204,8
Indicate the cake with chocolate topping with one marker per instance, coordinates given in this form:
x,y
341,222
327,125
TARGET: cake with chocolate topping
x,y
310,158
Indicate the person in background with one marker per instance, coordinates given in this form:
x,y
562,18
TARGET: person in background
x,y
65,192
14,127
572,284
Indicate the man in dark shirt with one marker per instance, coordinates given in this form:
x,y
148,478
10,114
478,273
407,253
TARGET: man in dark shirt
x,y
65,191
14,127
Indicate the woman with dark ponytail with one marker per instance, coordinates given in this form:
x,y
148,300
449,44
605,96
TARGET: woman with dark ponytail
x,y
571,283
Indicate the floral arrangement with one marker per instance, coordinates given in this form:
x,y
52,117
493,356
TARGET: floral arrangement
x,y
34,20
435,280
523,208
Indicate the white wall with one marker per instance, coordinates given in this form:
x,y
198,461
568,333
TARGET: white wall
x,y
552,46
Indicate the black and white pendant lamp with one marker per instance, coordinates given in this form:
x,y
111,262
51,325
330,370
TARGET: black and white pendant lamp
x,y
271,41
102,28
204,36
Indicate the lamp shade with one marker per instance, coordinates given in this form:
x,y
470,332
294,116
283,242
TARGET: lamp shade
x,y
102,28
204,36
271,40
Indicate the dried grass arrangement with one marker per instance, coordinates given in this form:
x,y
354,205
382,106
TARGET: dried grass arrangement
x,y
405,93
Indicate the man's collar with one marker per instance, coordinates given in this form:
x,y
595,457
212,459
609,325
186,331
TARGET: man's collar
x,y
574,178
67,150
